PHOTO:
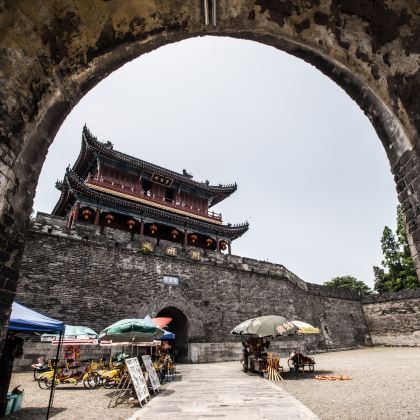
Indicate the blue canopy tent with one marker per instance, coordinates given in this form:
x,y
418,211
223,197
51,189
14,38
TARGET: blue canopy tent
x,y
23,319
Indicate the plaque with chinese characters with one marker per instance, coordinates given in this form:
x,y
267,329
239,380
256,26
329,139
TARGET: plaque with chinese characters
x,y
171,250
170,280
147,247
160,179
195,255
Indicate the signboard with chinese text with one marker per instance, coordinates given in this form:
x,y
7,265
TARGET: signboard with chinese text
x,y
170,280
153,377
171,250
195,255
160,179
137,379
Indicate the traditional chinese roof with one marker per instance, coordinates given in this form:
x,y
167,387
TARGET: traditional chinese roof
x,y
92,149
74,185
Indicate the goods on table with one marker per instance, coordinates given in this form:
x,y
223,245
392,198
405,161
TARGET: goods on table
x,y
273,367
333,377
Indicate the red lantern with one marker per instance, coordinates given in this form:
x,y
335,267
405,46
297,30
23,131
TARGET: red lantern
x,y
86,213
174,234
131,223
153,229
193,238
209,241
109,218
223,245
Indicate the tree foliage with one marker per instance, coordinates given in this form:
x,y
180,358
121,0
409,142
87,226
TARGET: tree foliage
x,y
348,282
397,271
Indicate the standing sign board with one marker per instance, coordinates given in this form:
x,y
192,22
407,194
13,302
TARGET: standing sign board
x,y
153,377
137,379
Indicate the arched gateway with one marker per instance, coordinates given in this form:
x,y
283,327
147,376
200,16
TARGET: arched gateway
x,y
180,327
52,55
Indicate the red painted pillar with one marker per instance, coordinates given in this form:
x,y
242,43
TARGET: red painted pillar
x,y
142,226
185,237
229,247
70,220
76,213
97,215
217,245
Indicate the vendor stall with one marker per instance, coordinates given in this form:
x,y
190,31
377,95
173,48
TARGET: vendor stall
x,y
23,319
255,345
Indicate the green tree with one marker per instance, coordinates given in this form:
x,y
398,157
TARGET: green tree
x,y
398,268
348,282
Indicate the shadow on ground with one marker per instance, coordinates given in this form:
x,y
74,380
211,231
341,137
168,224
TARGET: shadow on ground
x,y
35,413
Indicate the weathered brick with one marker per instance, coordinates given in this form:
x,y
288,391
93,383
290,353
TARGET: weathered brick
x,y
94,283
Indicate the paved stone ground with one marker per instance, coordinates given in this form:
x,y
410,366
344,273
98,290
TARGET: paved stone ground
x,y
385,385
223,391
71,402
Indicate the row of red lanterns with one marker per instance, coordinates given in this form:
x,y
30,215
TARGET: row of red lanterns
x,y
87,213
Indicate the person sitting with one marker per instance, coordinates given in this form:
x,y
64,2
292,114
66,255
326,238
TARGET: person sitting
x,y
245,355
300,360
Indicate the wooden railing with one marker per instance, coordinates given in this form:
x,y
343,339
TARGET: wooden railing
x,y
136,191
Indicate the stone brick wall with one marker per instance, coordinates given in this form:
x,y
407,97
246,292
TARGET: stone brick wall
x,y
394,319
87,277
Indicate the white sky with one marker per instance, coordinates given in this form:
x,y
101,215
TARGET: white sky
x,y
313,178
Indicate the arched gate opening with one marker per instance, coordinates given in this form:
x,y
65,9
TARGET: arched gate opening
x,y
180,327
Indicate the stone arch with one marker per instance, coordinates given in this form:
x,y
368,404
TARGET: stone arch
x,y
52,55
176,300
180,326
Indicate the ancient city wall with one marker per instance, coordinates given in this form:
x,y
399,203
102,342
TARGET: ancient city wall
x,y
394,319
87,277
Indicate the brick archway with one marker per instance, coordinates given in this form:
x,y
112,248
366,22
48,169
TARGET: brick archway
x,y
54,52
180,327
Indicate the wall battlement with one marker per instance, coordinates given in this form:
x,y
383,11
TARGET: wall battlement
x,y
401,295
95,276
122,240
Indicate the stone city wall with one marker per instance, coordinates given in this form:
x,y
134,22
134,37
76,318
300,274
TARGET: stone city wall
x,y
87,277
393,319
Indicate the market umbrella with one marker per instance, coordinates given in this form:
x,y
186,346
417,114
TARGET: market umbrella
x,y
72,332
167,335
305,328
266,326
162,321
131,330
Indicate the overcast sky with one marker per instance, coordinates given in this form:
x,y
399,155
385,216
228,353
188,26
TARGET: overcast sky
x,y
313,178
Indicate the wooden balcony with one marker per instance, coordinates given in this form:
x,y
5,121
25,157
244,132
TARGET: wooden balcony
x,y
138,192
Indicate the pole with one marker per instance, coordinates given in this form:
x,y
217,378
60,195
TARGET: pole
x,y
206,12
141,226
214,12
98,212
76,214
50,403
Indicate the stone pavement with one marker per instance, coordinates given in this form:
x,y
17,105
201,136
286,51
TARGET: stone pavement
x,y
222,391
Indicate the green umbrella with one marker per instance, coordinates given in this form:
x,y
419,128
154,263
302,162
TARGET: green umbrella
x,y
131,330
72,332
266,326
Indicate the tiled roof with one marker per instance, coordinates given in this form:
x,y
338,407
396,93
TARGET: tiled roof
x,y
91,144
74,184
